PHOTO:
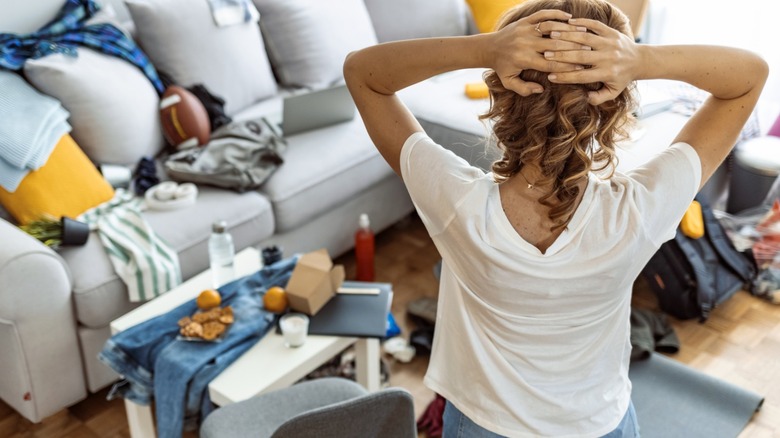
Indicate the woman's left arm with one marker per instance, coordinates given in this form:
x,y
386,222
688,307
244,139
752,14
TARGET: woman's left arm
x,y
376,73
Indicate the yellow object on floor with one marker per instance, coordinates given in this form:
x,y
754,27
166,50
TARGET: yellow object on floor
x,y
67,185
692,224
477,90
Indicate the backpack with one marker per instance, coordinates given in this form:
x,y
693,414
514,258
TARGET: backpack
x,y
240,156
692,276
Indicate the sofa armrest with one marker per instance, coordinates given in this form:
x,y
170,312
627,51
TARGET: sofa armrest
x,y
41,359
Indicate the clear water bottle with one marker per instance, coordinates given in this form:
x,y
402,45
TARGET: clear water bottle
x,y
221,254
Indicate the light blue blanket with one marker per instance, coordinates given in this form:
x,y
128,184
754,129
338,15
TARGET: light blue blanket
x,y
31,124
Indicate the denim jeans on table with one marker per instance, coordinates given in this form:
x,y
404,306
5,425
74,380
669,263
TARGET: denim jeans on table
x,y
457,425
154,364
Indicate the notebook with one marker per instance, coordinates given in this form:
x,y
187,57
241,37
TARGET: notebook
x,y
317,109
354,315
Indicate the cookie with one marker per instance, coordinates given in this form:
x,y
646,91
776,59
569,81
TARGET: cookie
x,y
214,314
226,319
201,318
192,330
185,321
212,330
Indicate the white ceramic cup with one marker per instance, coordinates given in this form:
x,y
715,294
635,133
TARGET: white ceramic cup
x,y
294,327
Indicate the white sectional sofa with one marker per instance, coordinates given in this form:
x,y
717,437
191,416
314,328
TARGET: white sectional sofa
x,y
55,306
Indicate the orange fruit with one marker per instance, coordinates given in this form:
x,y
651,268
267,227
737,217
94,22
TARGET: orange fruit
x,y
208,299
275,299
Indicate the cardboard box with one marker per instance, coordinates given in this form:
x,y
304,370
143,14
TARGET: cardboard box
x,y
313,282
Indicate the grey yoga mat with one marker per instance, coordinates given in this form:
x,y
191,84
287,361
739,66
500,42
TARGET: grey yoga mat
x,y
674,400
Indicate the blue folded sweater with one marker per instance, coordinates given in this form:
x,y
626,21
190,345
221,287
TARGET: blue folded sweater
x,y
31,124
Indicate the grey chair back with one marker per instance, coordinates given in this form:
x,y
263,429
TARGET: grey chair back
x,y
387,413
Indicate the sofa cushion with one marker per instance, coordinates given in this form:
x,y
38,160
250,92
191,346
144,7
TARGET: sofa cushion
x,y
442,100
450,118
393,21
67,185
100,296
112,105
322,169
307,40
487,13
182,40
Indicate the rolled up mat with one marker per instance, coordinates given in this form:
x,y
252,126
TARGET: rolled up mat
x,y
674,400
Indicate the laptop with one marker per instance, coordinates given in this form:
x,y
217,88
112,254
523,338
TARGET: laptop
x,y
304,112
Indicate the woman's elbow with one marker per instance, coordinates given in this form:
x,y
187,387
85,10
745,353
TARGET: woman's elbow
x,y
762,69
350,68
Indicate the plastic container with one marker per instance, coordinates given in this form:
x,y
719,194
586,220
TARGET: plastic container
x,y
221,255
364,250
271,254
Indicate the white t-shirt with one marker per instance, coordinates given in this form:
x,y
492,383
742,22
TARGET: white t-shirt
x,y
530,343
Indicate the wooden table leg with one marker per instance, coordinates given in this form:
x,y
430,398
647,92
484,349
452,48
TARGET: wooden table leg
x,y
367,363
140,420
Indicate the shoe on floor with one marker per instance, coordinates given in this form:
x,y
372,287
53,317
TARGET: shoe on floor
x,y
422,340
423,309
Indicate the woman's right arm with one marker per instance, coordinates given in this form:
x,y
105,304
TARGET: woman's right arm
x,y
733,77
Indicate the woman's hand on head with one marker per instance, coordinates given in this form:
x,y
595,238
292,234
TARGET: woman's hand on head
x,y
521,45
614,59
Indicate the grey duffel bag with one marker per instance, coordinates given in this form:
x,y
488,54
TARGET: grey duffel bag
x,y
240,156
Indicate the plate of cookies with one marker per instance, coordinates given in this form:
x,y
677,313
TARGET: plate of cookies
x,y
206,326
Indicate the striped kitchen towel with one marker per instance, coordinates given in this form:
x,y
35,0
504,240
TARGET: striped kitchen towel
x,y
147,265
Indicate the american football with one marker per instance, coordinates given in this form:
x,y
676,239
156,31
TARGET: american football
x,y
185,122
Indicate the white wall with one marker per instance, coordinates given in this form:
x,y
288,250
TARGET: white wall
x,y
748,24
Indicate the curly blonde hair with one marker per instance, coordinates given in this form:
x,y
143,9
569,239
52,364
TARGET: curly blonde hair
x,y
558,128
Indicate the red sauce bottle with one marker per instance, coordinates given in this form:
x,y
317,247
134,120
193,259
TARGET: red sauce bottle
x,y
364,250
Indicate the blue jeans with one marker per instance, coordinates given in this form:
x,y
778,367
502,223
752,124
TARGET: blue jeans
x,y
177,373
457,425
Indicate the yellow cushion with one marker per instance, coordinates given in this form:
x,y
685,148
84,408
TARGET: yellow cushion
x,y
487,12
67,185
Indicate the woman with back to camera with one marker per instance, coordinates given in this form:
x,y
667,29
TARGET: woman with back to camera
x,y
532,331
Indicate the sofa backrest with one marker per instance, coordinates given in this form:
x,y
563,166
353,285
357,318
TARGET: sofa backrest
x,y
25,17
391,20
404,19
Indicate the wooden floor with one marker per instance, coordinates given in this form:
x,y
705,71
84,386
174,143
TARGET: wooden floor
x,y
740,343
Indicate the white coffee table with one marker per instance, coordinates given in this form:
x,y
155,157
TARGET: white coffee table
x,y
281,366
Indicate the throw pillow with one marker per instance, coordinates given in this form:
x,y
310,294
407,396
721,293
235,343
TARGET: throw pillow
x,y
307,40
182,40
406,19
487,12
112,105
67,185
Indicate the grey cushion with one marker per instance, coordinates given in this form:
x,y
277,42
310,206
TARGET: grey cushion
x,y
322,169
322,408
260,416
113,106
307,40
450,118
100,296
387,413
405,19
182,40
